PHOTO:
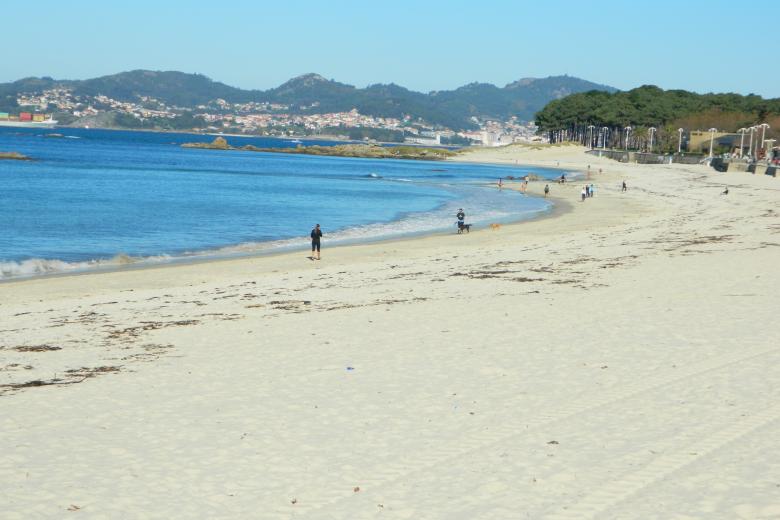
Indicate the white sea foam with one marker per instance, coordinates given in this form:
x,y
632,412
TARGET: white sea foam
x,y
40,266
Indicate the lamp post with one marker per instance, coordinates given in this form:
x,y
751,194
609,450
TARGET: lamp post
x,y
741,141
590,133
712,139
763,127
604,140
628,132
679,140
651,131
750,148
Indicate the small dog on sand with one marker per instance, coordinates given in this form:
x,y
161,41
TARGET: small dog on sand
x,y
495,227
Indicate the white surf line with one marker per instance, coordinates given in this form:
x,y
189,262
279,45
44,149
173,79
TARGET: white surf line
x,y
618,490
393,473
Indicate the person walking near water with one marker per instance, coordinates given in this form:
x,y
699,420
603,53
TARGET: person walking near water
x,y
583,193
316,235
546,190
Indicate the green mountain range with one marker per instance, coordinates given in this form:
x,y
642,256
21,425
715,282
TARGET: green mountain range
x,y
312,93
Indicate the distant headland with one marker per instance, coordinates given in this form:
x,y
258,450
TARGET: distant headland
x,y
371,151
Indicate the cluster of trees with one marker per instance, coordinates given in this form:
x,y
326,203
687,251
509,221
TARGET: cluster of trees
x,y
456,140
650,106
185,121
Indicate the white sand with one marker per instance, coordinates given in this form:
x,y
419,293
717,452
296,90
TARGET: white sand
x,y
619,360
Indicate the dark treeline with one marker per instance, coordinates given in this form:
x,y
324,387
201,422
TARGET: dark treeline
x,y
600,118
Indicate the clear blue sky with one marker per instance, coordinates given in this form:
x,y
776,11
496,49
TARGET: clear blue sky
x,y
423,45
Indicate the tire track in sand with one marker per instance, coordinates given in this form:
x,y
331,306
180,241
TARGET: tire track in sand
x,y
617,490
395,472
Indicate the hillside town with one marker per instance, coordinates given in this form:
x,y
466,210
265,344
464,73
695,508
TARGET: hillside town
x,y
273,119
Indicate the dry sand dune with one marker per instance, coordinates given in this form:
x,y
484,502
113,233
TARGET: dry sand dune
x,y
618,359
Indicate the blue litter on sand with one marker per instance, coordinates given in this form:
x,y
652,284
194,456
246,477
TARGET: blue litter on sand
x,y
350,368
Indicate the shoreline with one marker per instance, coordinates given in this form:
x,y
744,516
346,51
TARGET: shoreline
x,y
558,207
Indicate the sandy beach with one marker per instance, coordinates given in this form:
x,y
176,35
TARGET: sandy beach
x,y
617,359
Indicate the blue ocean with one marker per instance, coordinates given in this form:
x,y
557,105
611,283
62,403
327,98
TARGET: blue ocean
x,y
96,199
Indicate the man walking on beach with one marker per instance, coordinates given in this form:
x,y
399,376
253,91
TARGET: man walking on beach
x,y
546,190
461,216
316,235
583,193
624,186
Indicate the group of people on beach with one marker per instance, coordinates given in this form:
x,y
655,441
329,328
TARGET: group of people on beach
x,y
589,190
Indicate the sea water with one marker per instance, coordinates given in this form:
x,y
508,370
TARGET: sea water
x,y
97,198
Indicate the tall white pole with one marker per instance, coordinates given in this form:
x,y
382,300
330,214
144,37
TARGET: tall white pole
x,y
750,148
604,142
712,139
590,133
679,140
741,142
651,131
628,132
764,126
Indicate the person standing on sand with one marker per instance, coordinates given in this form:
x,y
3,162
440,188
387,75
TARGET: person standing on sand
x,y
546,190
592,190
625,187
316,235
583,193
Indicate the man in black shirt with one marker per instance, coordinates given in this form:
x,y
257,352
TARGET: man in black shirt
x,y
316,235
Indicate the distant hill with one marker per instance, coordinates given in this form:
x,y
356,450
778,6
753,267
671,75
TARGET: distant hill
x,y
312,93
